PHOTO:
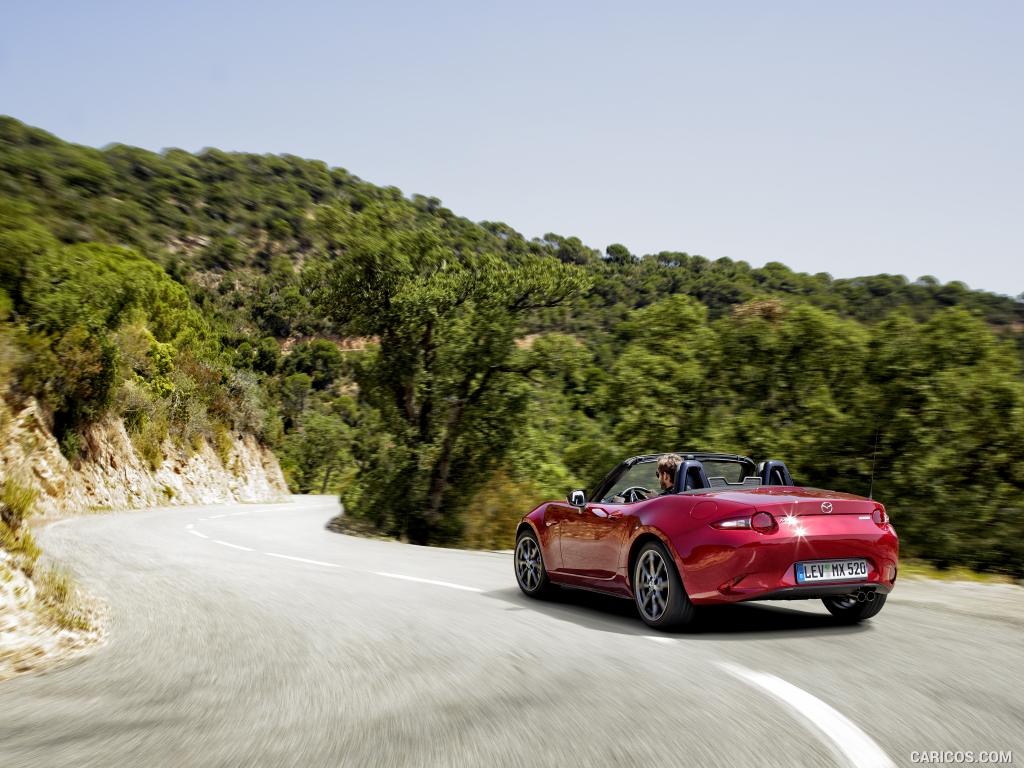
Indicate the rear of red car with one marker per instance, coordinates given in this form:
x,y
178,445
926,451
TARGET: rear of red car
x,y
779,543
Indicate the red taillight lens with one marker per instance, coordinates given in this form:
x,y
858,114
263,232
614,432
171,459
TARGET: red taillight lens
x,y
880,517
763,522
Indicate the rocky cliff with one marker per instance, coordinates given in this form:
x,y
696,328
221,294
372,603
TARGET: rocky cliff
x,y
112,475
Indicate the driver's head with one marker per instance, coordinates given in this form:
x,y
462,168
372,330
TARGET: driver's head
x,y
668,465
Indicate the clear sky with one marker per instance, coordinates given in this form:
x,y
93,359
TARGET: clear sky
x,y
849,138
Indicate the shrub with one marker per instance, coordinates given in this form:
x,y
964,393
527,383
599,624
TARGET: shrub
x,y
60,598
490,518
10,358
21,545
145,419
84,379
71,446
17,500
222,443
149,441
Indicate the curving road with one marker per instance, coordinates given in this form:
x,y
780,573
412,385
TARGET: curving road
x,y
250,636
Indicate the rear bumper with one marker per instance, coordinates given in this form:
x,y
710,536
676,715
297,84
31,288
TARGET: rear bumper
x,y
821,590
737,566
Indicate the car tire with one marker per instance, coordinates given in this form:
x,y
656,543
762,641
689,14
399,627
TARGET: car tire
x,y
658,590
849,611
528,562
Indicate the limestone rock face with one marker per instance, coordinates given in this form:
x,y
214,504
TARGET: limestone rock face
x,y
113,476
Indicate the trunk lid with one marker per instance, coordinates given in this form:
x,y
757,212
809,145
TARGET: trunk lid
x,y
787,500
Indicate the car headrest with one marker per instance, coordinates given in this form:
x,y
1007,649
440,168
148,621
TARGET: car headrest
x,y
773,472
690,475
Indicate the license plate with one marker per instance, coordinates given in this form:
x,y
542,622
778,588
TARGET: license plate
x,y
831,570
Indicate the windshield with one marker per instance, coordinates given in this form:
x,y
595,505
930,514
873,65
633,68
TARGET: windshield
x,y
643,475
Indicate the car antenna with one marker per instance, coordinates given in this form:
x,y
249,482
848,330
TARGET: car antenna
x,y
874,453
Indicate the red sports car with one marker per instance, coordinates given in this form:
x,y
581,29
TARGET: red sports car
x,y
722,529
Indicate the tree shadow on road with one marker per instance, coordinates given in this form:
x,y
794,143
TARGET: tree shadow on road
x,y
713,622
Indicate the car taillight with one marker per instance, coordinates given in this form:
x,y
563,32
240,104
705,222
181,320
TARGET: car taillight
x,y
762,522
732,524
879,516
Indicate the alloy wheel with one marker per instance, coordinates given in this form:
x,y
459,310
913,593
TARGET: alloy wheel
x,y
529,568
651,585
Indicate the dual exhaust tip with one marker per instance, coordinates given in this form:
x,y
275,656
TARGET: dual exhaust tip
x,y
865,595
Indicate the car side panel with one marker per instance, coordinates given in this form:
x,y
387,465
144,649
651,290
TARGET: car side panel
x,y
544,521
668,519
591,540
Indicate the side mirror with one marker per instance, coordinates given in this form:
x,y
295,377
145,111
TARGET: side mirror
x,y
577,498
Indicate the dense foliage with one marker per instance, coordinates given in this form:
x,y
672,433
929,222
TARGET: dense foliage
x,y
444,375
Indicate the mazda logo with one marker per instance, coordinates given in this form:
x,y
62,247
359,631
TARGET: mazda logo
x,y
826,507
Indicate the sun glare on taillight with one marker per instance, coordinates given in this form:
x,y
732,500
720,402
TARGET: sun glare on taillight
x,y
880,517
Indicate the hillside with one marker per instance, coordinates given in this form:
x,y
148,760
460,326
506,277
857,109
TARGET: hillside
x,y
444,375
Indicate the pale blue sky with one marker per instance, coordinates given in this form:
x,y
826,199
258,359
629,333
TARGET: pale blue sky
x,y
850,138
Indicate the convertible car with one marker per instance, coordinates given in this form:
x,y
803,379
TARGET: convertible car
x,y
723,530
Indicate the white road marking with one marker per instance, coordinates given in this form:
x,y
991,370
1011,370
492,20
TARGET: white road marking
x,y
434,582
427,581
236,514
302,560
233,546
837,730
190,526
663,640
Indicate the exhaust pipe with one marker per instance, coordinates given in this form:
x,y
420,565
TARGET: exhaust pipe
x,y
870,596
860,597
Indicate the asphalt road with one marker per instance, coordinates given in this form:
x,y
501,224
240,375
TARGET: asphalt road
x,y
251,636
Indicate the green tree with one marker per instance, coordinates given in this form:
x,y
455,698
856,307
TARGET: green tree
x,y
263,356
445,379
83,385
320,359
657,391
224,253
295,392
618,254
317,455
